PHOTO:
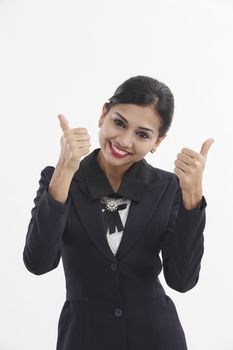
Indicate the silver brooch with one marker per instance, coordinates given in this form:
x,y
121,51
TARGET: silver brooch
x,y
112,205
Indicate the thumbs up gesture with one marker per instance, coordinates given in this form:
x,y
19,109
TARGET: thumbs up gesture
x,y
75,143
189,167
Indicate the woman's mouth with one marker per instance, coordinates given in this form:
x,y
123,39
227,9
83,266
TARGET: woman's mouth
x,y
116,152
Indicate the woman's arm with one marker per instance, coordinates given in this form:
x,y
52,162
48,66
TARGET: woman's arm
x,y
183,244
43,243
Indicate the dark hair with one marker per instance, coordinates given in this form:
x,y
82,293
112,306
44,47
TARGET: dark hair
x,y
143,91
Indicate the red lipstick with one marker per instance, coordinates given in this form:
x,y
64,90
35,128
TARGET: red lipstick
x,y
115,154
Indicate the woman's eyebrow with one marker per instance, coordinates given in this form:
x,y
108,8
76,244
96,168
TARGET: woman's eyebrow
x,y
140,127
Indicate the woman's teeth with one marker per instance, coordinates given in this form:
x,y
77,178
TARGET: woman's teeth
x,y
117,150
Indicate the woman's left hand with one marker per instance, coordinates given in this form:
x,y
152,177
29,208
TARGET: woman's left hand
x,y
189,169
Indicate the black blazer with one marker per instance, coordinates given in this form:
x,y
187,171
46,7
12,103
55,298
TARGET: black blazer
x,y
117,302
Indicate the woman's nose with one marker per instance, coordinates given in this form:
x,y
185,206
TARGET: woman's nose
x,y
124,141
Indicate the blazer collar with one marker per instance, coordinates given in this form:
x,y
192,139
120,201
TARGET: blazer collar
x,y
95,183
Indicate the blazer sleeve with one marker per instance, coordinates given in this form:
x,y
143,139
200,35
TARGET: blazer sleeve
x,y
183,244
42,250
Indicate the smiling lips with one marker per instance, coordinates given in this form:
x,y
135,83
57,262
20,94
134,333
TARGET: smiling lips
x,y
117,152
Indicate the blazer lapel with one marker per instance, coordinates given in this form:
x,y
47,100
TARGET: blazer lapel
x,y
89,212
139,215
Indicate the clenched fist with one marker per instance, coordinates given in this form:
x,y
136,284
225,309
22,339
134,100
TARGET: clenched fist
x,y
75,143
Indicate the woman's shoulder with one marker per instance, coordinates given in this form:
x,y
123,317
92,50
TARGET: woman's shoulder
x,y
164,175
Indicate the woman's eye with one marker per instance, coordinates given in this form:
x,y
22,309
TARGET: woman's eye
x,y
118,122
143,135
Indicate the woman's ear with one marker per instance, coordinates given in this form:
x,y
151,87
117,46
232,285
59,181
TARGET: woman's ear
x,y
103,114
156,144
101,121
160,139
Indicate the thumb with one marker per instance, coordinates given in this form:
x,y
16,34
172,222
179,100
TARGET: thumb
x,y
63,122
205,147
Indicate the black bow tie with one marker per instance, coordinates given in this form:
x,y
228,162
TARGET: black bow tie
x,y
111,214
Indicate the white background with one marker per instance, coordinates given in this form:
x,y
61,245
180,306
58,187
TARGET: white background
x,y
69,57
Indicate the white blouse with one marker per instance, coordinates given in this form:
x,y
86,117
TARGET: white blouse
x,y
114,239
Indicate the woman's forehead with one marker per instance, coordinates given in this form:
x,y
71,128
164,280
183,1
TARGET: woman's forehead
x,y
134,113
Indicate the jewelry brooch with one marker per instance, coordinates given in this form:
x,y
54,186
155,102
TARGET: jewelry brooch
x,y
111,205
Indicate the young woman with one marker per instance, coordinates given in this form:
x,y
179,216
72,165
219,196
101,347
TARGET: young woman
x,y
109,215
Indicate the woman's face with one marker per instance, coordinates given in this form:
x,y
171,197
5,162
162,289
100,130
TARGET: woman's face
x,y
127,133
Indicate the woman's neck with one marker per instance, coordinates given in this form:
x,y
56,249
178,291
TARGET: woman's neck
x,y
113,173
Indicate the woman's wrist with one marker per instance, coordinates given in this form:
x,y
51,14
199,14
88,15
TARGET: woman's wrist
x,y
191,200
60,183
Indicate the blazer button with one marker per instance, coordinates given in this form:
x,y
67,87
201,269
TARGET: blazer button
x,y
114,266
118,312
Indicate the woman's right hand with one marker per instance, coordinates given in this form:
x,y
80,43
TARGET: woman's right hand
x,y
75,143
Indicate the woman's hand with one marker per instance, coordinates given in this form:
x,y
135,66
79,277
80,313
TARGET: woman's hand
x,y
75,143
189,169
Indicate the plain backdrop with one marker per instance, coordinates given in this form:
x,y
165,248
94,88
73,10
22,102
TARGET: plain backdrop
x,y
63,56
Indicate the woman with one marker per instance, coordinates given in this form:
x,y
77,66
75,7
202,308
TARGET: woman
x,y
109,215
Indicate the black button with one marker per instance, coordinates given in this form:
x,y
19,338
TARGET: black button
x,y
118,312
114,266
